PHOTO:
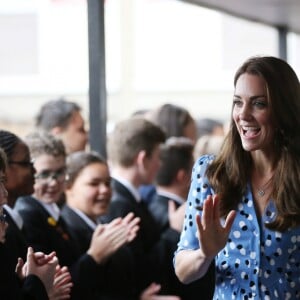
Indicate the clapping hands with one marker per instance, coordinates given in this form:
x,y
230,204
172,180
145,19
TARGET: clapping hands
x,y
56,279
108,238
39,264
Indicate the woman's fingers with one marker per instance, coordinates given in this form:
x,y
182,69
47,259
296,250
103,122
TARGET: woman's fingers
x,y
229,221
208,213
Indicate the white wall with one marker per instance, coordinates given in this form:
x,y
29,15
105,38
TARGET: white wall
x,y
157,51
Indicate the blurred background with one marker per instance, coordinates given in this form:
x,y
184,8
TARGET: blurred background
x,y
157,51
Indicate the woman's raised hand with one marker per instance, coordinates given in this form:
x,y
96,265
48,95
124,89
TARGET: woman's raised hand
x,y
211,233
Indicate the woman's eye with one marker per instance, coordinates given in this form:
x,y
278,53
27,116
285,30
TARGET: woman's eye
x,y
260,104
237,102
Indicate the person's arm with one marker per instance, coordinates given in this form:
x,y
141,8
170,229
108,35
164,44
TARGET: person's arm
x,y
88,271
33,289
191,265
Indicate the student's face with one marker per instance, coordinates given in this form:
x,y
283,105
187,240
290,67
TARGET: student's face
x,y
3,199
252,113
91,190
49,178
74,135
19,173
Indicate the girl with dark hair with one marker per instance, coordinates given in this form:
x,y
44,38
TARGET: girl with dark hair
x,y
88,194
31,281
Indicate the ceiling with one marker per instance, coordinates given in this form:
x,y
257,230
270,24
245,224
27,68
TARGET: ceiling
x,y
278,13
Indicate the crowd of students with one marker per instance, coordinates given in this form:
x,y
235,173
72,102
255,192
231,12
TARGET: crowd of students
x,y
82,220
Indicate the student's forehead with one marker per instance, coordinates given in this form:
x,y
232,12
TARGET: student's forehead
x,y
21,148
49,159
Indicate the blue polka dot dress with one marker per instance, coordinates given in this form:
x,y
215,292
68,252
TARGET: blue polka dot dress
x,y
256,263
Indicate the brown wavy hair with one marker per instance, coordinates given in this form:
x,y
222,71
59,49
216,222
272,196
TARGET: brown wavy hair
x,y
231,170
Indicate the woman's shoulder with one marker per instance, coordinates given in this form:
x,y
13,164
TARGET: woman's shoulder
x,y
202,163
205,159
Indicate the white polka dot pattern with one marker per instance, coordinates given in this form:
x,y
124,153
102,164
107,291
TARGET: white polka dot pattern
x,y
256,263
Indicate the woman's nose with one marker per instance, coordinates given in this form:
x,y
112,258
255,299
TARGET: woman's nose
x,y
245,112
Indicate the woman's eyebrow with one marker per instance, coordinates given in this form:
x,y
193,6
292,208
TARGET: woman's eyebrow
x,y
252,97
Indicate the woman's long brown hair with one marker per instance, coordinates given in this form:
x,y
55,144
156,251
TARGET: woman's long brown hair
x,y
231,170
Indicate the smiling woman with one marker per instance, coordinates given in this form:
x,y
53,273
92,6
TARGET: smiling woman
x,y
249,193
252,113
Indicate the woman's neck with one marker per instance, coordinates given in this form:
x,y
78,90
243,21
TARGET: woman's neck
x,y
263,165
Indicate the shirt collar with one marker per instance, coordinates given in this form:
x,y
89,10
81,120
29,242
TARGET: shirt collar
x,y
129,186
52,209
15,216
85,218
170,195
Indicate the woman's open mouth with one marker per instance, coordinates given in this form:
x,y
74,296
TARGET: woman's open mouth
x,y
250,132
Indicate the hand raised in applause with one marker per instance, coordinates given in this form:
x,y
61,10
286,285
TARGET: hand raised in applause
x,y
39,264
108,238
40,259
132,224
62,284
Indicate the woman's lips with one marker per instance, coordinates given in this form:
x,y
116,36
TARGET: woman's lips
x,y
250,132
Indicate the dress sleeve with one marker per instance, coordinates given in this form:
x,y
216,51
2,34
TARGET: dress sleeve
x,y
199,190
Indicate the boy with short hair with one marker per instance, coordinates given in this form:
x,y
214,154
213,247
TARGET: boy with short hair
x,y
134,157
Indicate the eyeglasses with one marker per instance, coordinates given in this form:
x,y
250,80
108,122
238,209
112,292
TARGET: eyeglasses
x,y
46,176
25,163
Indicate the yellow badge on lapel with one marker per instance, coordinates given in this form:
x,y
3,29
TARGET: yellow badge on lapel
x,y
51,221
